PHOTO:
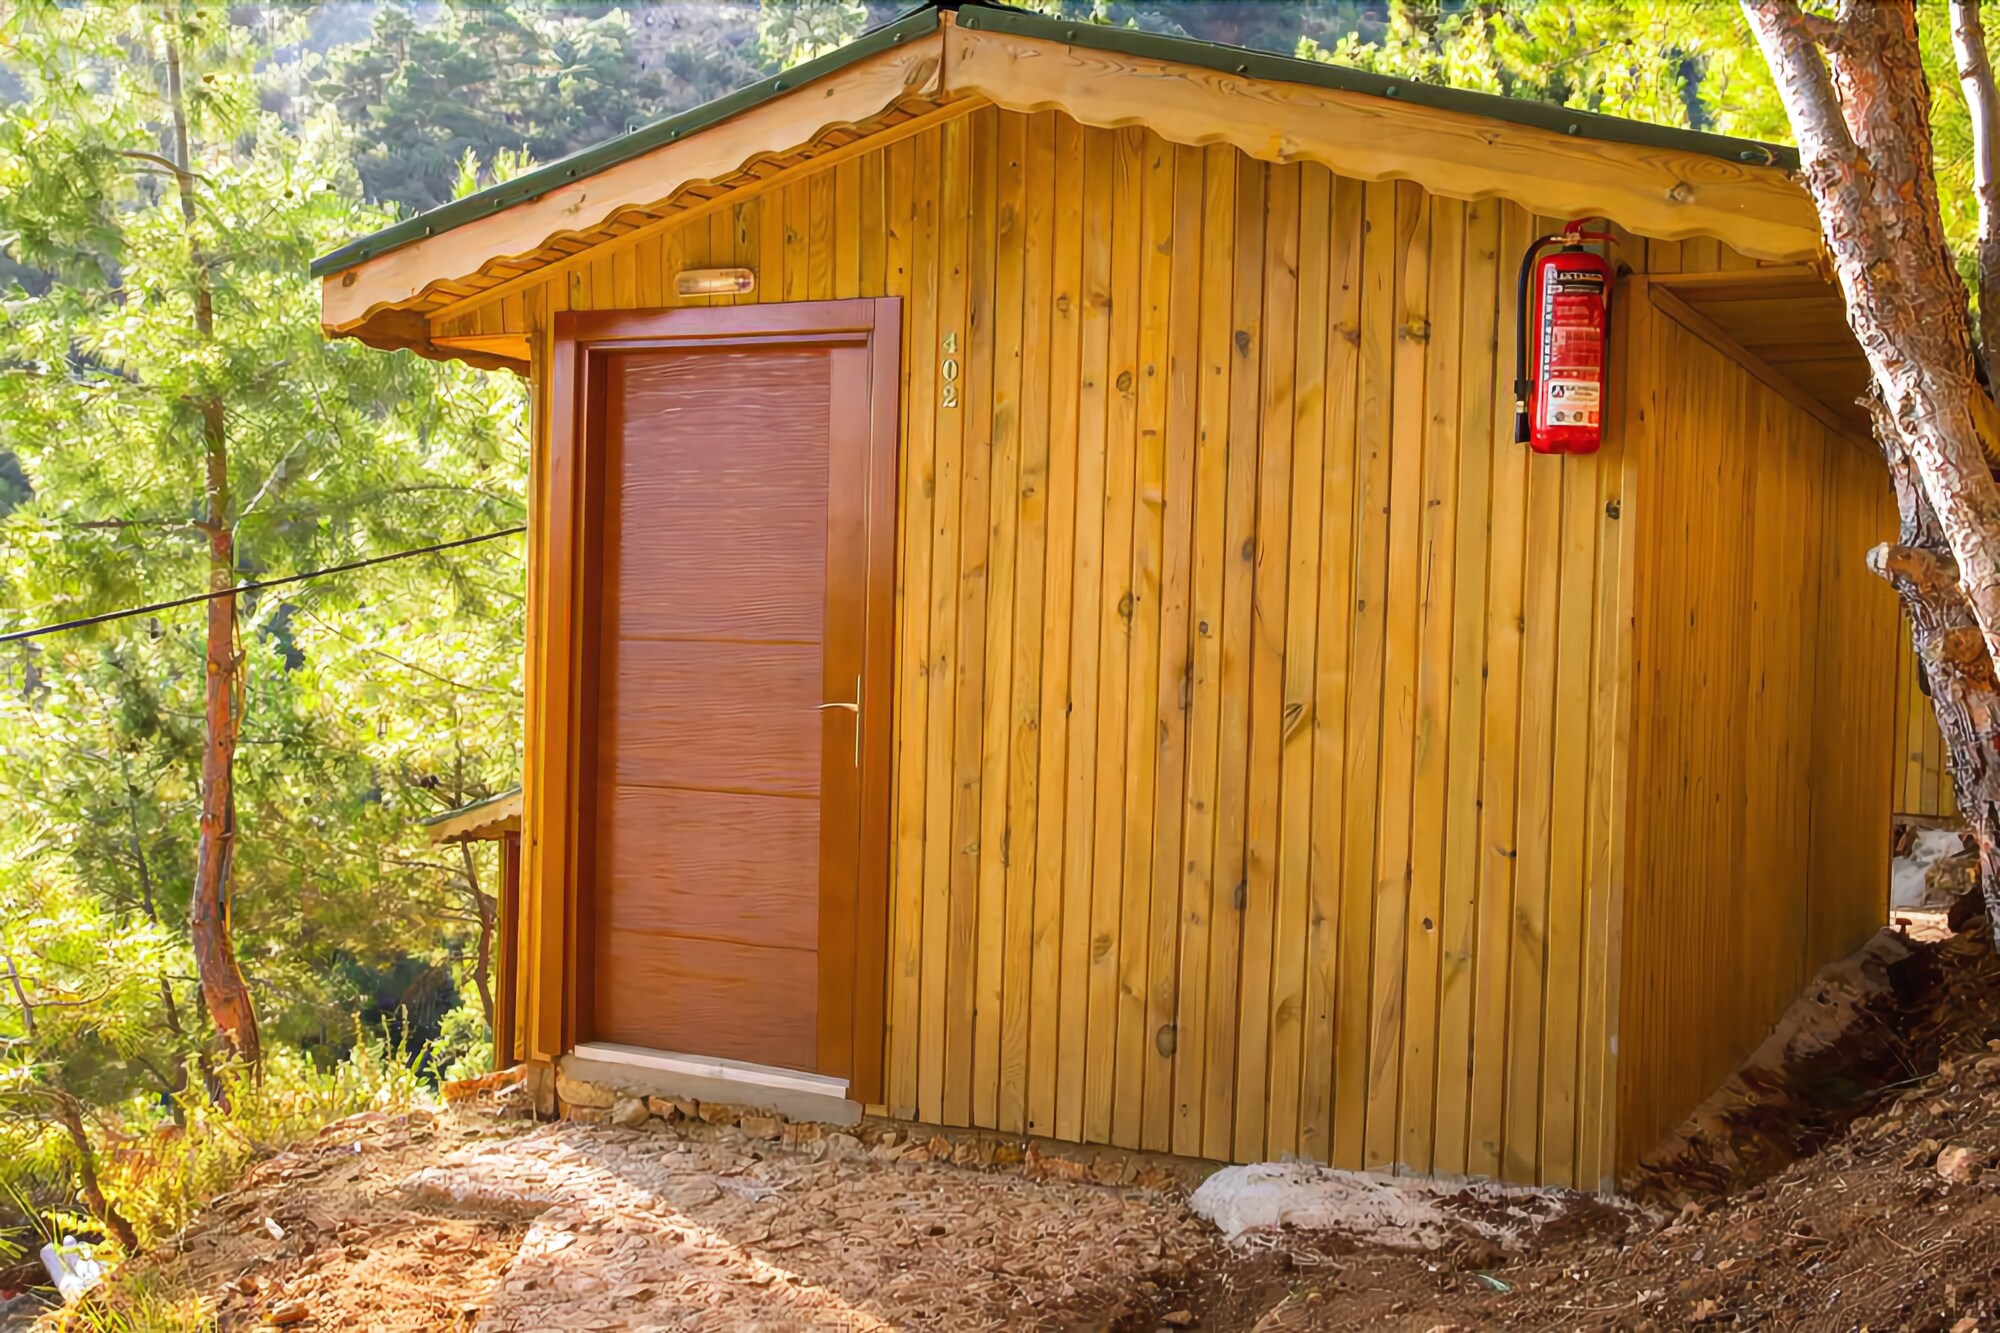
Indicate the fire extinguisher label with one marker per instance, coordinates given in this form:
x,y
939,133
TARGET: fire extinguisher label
x,y
1573,402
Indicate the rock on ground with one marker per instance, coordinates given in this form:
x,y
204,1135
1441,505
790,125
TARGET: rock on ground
x,y
1403,1213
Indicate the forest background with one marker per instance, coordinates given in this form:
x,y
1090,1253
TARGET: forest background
x,y
375,698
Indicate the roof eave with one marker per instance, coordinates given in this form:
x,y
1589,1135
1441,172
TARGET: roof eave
x,y
542,180
1271,67
483,819
1659,182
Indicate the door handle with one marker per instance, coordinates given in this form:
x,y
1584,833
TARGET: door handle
x,y
853,707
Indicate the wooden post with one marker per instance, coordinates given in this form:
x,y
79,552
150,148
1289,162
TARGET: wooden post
x,y
504,1053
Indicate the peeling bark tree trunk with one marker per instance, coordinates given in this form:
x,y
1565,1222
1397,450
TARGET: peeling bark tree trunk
x,y
1957,667
1854,88
222,983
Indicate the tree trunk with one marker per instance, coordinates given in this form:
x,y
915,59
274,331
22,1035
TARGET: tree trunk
x,y
1863,129
170,1012
222,983
482,972
70,1112
1957,668
1975,75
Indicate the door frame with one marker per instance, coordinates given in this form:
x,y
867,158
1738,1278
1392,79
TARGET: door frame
x,y
563,709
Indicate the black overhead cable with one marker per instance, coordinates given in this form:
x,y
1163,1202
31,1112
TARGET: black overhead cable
x,y
40,630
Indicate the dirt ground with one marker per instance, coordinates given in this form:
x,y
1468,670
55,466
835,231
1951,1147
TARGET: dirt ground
x,y
462,1221
472,1220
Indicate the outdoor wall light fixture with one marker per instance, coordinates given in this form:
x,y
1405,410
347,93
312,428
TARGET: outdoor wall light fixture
x,y
715,282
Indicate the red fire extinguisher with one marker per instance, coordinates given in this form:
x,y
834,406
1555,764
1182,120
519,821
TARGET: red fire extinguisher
x,y
1559,340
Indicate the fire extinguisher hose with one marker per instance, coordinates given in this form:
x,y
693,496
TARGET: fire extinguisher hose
x,y
1523,383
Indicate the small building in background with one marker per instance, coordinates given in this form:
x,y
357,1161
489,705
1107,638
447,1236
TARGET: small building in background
x,y
497,819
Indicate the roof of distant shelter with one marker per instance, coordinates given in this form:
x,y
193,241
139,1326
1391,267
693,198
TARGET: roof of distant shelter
x,y
480,821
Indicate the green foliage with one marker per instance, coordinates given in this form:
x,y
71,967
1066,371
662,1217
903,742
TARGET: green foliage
x,y
791,32
141,1303
371,698
1688,63
493,79
464,1045
160,1173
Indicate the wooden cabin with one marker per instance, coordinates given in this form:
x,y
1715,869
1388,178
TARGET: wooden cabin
x,y
1038,619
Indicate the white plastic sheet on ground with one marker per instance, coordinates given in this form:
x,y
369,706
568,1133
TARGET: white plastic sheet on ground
x,y
1399,1212
72,1267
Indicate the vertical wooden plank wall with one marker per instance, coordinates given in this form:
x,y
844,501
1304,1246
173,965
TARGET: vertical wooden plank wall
x,y
1854,712
1765,663
1260,701
1922,777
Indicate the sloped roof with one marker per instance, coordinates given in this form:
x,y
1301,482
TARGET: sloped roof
x,y
944,59
997,18
481,820
636,142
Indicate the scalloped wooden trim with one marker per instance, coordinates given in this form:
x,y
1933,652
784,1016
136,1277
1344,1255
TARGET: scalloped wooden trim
x,y
700,208
1670,194
349,298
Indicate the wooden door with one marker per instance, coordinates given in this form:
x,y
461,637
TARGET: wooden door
x,y
741,657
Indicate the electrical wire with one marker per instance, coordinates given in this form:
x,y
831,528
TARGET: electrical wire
x,y
19,634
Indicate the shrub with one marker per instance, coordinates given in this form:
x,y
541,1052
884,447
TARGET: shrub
x,y
161,1173
464,1046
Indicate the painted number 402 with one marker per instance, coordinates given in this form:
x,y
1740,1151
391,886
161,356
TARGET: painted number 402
x,y
948,391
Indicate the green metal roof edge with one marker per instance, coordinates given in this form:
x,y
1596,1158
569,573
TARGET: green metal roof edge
x,y
1125,41
542,180
1290,69
431,821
